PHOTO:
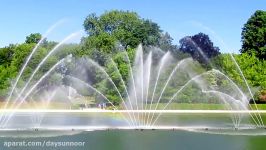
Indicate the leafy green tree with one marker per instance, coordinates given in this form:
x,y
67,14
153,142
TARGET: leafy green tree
x,y
6,74
6,55
122,28
252,67
11,64
13,57
165,42
254,35
33,38
105,86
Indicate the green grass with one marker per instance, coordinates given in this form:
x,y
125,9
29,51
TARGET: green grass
x,y
174,106
260,106
200,106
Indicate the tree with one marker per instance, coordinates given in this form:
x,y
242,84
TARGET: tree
x,y
33,38
13,57
6,55
200,47
166,44
148,32
123,27
251,66
254,35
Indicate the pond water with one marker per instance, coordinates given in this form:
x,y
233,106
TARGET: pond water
x,y
215,132
114,120
146,140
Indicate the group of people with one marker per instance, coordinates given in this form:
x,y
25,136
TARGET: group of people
x,y
102,105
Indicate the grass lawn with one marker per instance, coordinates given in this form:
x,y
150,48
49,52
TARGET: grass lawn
x,y
260,106
32,105
174,106
189,106
200,106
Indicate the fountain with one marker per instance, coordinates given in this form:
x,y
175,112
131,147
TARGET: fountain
x,y
151,97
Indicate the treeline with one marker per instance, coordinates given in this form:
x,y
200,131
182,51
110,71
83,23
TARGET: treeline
x,y
114,32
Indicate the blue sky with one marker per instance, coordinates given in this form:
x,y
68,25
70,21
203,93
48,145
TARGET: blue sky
x,y
221,19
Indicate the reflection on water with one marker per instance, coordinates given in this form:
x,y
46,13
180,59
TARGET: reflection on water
x,y
41,120
151,140
113,120
192,132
